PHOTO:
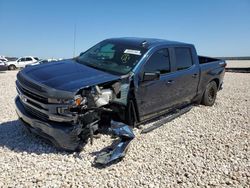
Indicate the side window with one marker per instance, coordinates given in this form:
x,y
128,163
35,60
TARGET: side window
x,y
22,59
183,58
28,59
159,61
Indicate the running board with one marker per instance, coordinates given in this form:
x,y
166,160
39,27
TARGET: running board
x,y
161,122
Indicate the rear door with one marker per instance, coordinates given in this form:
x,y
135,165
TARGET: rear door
x,y
28,60
186,75
21,62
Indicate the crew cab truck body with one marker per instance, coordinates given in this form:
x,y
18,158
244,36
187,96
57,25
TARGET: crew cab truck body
x,y
130,80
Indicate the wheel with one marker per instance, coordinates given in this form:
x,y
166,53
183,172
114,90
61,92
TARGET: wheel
x,y
12,67
210,93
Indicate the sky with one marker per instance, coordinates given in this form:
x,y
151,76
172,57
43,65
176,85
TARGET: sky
x,y
46,28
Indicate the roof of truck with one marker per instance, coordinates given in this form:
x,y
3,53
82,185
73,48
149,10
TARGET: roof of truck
x,y
149,42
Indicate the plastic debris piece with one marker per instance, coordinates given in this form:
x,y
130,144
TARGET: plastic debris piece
x,y
119,147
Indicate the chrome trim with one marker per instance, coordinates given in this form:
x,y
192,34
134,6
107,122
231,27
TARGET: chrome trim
x,y
44,106
222,63
47,109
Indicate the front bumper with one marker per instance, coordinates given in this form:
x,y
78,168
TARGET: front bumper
x,y
62,135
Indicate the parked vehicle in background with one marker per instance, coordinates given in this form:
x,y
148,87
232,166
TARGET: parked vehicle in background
x,y
3,66
11,58
130,80
21,62
3,59
42,61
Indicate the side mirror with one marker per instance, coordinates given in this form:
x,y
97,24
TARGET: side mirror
x,y
150,76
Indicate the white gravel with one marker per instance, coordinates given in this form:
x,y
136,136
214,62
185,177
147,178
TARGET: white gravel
x,y
208,146
238,63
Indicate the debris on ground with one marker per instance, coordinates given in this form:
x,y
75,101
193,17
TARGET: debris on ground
x,y
119,147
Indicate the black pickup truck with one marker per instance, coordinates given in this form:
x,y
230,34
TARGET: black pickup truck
x,y
130,80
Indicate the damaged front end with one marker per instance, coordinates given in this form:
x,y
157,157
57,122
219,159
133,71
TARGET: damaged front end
x,y
93,108
70,124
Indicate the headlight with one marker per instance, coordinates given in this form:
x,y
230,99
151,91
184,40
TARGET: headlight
x,y
71,105
76,101
79,100
61,101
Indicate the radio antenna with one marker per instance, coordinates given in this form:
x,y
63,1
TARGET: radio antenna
x,y
74,41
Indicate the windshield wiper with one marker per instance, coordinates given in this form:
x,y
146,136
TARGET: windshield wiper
x,y
97,67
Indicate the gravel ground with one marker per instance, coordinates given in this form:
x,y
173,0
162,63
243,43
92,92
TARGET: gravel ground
x,y
238,63
208,146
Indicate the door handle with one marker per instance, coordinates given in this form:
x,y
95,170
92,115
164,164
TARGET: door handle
x,y
194,75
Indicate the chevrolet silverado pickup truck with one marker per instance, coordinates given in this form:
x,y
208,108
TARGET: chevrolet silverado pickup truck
x,y
130,80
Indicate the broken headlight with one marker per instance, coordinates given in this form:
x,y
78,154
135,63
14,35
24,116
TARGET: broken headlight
x,y
79,100
74,105
60,101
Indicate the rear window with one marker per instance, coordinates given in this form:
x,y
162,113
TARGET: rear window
x,y
183,58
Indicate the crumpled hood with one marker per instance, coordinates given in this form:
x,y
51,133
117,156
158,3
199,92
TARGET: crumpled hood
x,y
67,75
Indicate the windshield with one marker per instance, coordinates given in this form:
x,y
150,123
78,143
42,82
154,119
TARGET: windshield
x,y
113,57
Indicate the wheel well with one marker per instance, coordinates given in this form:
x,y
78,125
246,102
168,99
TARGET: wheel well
x,y
217,81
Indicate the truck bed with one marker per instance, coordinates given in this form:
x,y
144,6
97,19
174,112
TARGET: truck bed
x,y
211,66
203,59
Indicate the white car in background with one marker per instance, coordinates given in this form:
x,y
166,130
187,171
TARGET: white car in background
x,y
3,59
21,62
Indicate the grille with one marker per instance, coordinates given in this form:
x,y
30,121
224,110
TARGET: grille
x,y
32,111
31,94
36,113
24,81
35,104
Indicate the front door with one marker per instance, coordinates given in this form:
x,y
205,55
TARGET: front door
x,y
156,95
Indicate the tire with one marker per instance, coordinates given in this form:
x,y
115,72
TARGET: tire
x,y
210,94
12,67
